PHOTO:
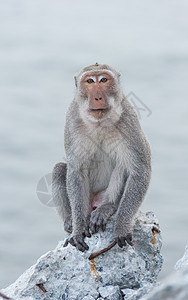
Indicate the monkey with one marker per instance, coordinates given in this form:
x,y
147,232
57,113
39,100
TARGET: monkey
x,y
108,166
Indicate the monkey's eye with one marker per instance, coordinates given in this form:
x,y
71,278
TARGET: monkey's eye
x,y
90,80
103,79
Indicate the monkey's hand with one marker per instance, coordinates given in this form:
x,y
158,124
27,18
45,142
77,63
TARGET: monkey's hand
x,y
77,240
124,240
100,216
123,235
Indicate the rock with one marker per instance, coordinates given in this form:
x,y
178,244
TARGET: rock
x,y
89,298
110,292
127,292
175,286
139,293
66,273
183,262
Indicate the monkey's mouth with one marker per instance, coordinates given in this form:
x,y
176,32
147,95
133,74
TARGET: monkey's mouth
x,y
98,109
98,113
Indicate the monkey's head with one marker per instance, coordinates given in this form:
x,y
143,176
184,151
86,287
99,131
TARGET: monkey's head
x,y
98,93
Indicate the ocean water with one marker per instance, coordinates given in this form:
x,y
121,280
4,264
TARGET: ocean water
x,y
42,45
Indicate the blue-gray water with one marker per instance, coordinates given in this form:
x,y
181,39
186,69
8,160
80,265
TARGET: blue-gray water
x,y
42,45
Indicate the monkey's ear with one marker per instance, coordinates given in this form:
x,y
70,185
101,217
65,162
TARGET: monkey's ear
x,y
118,75
75,80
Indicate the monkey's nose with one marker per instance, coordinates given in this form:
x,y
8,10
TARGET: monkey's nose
x,y
99,98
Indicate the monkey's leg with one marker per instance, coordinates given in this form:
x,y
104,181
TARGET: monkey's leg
x,y
78,191
60,196
133,195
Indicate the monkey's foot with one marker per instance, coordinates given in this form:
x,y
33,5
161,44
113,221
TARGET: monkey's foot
x,y
68,224
78,241
100,216
97,221
124,240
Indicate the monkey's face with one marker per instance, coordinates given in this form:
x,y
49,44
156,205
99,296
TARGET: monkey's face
x,y
96,87
98,92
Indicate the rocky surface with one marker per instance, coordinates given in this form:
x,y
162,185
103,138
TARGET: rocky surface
x,y
65,273
175,286
183,262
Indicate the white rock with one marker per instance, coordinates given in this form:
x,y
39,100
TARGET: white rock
x,y
89,298
183,262
66,273
175,286
110,292
127,292
139,293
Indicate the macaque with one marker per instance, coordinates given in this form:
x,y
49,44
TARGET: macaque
x,y
108,165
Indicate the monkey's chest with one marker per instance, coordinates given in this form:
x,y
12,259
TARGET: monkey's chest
x,y
101,167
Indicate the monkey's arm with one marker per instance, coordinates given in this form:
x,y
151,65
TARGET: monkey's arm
x,y
78,191
133,195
